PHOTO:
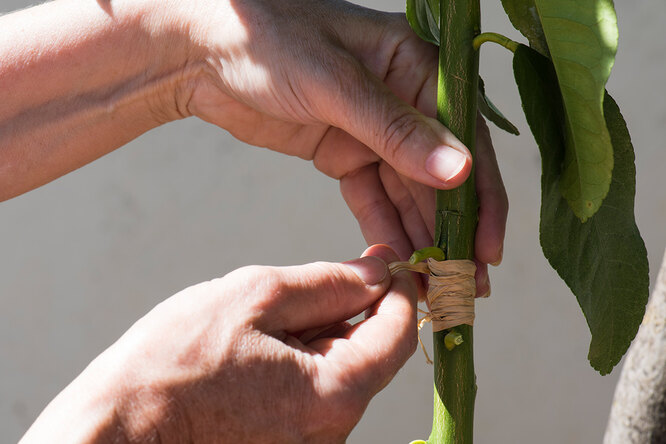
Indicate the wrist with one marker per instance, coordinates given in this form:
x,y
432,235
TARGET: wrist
x,y
109,402
173,53
84,412
144,406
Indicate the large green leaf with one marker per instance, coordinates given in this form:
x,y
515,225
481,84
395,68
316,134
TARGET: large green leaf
x,y
582,40
604,260
525,18
490,111
423,17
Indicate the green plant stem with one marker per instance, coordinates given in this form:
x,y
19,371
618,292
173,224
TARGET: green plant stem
x,y
457,215
495,38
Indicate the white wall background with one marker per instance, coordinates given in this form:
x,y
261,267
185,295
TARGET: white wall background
x,y
85,256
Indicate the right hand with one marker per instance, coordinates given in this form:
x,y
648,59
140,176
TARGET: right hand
x,y
264,355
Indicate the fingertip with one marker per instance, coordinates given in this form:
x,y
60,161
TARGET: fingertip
x,y
449,166
382,251
499,256
406,281
482,280
388,255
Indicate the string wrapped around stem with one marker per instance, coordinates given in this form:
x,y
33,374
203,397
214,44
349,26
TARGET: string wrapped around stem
x,y
450,296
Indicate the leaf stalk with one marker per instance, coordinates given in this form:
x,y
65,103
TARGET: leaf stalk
x,y
495,38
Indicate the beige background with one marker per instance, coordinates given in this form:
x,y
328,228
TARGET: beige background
x,y
84,257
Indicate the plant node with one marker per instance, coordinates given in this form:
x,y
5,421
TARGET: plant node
x,y
452,339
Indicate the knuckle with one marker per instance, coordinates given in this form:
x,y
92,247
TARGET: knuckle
x,y
335,281
256,282
369,212
246,274
397,135
407,206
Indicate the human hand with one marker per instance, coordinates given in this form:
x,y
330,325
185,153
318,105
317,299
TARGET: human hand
x,y
354,91
264,354
349,88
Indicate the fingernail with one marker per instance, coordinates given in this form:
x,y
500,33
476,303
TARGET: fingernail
x,y
372,270
499,261
445,163
486,291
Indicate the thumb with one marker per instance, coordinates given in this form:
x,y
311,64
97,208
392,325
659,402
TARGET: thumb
x,y
321,293
415,145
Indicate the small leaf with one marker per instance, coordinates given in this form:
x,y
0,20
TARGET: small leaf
x,y
423,16
525,18
604,260
490,111
582,39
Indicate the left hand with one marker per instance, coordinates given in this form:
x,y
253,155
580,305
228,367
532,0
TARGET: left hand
x,y
354,91
349,88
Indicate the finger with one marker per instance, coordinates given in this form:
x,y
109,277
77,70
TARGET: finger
x,y
412,220
410,215
388,255
298,298
374,350
353,99
424,197
376,215
493,203
335,330
482,280
338,153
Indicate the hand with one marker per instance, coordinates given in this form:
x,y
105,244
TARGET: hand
x,y
263,354
354,91
349,88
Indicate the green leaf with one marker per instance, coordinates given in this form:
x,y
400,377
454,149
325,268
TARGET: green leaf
x,y
582,39
524,17
423,17
490,111
604,260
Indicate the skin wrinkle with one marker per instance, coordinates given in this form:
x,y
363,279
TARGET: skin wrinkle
x,y
77,112
402,128
90,105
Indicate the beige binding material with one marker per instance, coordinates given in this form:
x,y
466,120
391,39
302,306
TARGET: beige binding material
x,y
451,291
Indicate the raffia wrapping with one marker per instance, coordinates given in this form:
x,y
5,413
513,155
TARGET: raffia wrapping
x,y
451,291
